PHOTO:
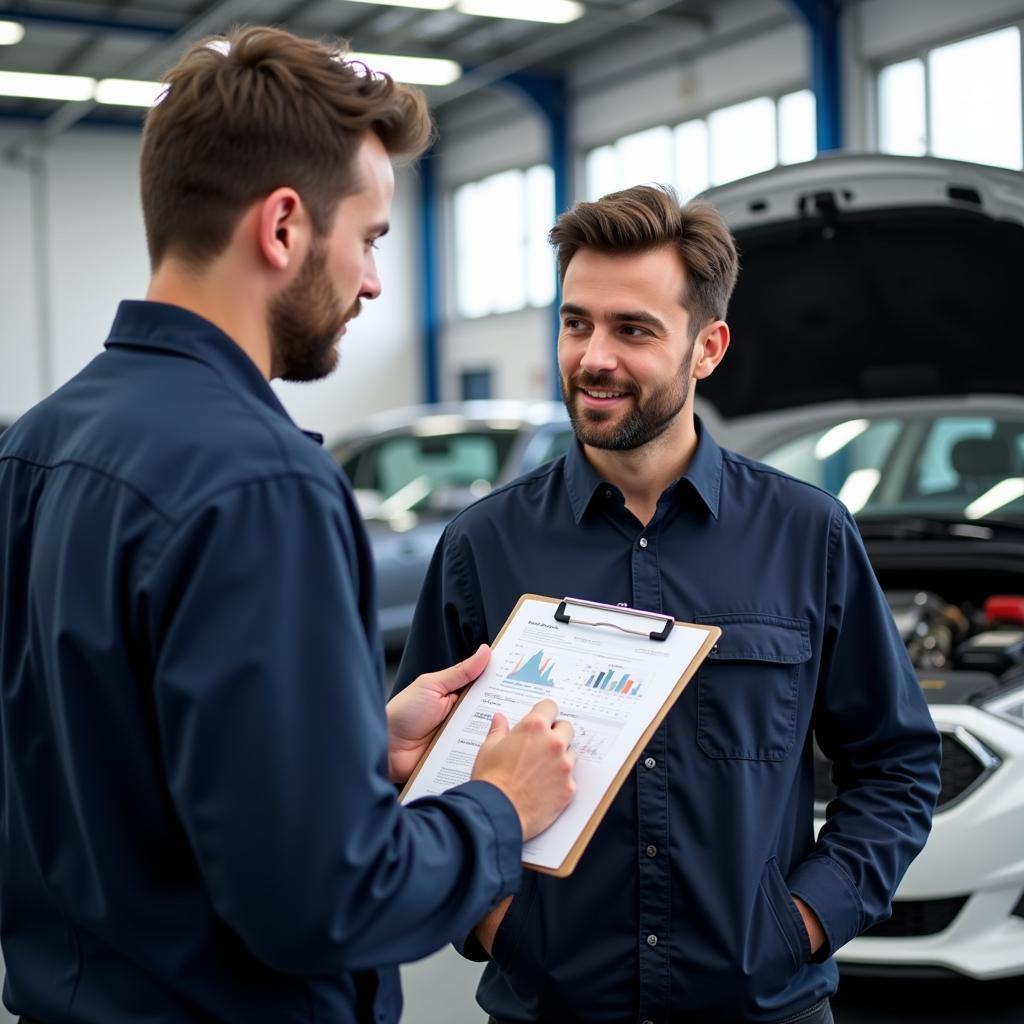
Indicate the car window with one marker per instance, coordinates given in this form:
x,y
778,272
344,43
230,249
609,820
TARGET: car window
x,y
971,466
935,471
841,457
436,461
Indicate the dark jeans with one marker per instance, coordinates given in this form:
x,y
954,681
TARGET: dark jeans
x,y
819,1013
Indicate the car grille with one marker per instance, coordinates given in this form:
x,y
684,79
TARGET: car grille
x,y
912,918
961,769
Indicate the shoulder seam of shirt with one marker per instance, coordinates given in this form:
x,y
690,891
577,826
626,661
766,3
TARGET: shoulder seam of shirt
x,y
534,476
99,472
461,573
834,530
148,553
760,467
247,401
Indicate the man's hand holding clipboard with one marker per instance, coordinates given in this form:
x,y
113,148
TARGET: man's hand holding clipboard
x,y
613,673
531,764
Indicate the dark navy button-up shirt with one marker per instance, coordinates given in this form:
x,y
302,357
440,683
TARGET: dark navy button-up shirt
x,y
196,821
680,909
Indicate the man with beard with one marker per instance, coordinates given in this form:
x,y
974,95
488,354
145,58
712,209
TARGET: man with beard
x,y
703,896
199,814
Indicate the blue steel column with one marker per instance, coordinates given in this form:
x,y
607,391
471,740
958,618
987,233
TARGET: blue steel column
x,y
430,255
549,96
822,18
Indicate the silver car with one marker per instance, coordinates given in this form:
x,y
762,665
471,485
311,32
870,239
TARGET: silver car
x,y
413,469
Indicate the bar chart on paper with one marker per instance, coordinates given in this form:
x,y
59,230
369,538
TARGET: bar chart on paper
x,y
611,681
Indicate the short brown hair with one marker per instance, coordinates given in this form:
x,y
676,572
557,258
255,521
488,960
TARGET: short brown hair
x,y
648,217
253,111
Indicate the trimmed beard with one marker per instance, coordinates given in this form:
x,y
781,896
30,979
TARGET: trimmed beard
x,y
645,421
306,321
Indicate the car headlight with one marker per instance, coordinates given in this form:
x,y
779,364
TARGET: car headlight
x,y
1008,705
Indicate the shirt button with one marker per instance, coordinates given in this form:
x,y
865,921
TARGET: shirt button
x,y
652,940
652,851
649,762
643,542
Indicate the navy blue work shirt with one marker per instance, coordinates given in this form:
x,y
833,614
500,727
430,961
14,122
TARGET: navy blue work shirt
x,y
197,821
680,908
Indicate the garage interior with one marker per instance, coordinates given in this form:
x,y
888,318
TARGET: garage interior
x,y
538,105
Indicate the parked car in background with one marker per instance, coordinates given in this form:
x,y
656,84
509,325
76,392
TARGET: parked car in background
x,y
413,469
877,353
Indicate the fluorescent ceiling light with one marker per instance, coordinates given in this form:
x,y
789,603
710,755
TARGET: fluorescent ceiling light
x,y
422,5
11,32
996,497
554,12
857,488
46,87
416,70
124,92
838,437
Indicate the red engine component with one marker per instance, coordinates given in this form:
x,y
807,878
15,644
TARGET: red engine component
x,y
1004,608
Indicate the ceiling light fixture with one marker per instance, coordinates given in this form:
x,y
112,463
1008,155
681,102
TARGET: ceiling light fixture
x,y
11,32
552,12
414,70
422,5
124,92
46,87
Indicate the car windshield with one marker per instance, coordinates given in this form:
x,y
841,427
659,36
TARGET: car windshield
x,y
956,466
414,471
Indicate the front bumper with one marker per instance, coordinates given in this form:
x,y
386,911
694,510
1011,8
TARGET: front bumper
x,y
975,853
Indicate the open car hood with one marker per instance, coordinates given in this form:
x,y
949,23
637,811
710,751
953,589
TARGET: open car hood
x,y
866,276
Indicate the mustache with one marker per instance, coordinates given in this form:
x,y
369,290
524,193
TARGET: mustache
x,y
353,311
602,382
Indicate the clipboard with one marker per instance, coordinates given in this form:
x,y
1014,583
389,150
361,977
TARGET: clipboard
x,y
592,619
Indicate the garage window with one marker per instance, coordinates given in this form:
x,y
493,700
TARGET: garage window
x,y
961,101
502,260
729,143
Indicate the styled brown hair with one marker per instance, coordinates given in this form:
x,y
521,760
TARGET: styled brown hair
x,y
255,110
649,217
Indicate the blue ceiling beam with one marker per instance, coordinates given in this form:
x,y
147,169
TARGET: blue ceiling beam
x,y
549,97
117,26
432,300
822,18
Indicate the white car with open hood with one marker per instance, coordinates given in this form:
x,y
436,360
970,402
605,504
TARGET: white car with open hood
x,y
877,353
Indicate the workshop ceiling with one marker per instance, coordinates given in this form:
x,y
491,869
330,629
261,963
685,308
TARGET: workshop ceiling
x,y
139,39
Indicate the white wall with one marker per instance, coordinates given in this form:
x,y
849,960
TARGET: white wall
x,y
19,366
97,256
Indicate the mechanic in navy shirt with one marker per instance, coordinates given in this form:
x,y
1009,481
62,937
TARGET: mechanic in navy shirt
x,y
704,895
199,819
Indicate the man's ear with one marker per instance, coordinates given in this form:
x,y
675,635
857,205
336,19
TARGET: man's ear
x,y
284,228
712,350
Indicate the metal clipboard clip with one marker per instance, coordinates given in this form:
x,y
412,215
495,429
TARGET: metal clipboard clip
x,y
666,621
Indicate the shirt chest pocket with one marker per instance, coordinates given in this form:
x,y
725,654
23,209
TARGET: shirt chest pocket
x,y
748,687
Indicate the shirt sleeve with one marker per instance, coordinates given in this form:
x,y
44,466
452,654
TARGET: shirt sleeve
x,y
446,626
271,721
872,721
445,629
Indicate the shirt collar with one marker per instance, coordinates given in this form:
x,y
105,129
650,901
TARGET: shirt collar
x,y
704,475
166,328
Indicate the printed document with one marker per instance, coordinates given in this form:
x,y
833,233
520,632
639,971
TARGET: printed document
x,y
608,685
